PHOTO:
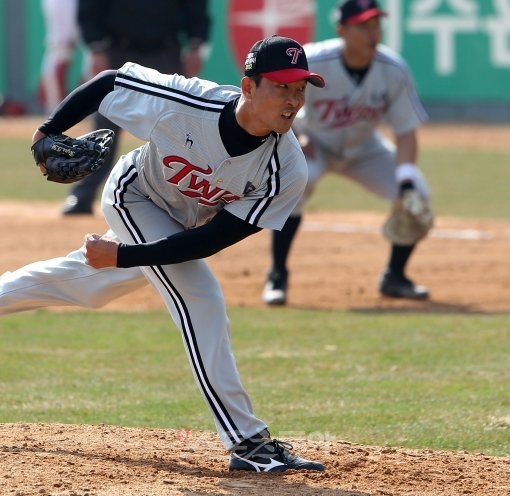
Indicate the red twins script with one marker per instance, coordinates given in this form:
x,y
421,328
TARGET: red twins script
x,y
191,182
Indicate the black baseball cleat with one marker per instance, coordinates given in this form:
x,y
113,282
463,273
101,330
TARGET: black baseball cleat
x,y
263,454
399,286
275,290
74,206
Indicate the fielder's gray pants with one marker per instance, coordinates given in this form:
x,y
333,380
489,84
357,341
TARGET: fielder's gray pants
x,y
372,166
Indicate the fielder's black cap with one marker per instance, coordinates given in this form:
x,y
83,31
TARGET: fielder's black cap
x,y
357,11
281,60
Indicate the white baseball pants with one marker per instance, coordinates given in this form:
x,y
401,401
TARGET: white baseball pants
x,y
189,290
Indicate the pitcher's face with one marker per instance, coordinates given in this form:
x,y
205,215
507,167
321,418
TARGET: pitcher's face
x,y
274,105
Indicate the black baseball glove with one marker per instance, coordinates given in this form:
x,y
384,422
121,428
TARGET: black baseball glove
x,y
67,160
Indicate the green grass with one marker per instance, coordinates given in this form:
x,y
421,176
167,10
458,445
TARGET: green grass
x,y
398,379
414,380
20,178
464,183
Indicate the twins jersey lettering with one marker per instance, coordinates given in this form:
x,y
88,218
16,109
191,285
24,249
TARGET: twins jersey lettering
x,y
185,161
338,113
190,182
344,115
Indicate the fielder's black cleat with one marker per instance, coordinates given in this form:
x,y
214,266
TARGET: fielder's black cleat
x,y
399,286
263,454
275,290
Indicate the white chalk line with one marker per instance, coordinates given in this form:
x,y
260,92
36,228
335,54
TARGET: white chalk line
x,y
464,234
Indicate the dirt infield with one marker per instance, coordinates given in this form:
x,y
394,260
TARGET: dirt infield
x,y
335,264
68,460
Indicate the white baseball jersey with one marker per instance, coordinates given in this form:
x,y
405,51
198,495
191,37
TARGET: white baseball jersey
x,y
343,116
184,167
180,179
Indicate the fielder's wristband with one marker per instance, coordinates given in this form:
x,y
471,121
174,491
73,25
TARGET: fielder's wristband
x,y
406,172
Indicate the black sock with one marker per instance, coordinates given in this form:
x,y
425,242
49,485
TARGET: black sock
x,y
281,243
398,258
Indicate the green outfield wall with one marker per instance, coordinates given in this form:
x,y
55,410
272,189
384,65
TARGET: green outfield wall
x,y
458,50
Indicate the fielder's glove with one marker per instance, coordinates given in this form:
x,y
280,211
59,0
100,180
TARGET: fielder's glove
x,y
67,160
410,220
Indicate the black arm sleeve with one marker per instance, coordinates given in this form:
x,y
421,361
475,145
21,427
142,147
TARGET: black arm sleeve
x,y
80,103
222,231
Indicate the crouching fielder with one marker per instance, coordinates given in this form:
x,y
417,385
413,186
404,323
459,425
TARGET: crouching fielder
x,y
338,128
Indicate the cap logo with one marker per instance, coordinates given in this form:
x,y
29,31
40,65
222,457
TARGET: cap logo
x,y
250,60
364,4
294,52
281,60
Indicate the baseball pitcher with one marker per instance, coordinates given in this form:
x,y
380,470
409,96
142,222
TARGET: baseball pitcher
x,y
219,164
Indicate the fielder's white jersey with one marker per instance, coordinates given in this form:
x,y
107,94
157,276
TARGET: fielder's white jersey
x,y
344,115
184,167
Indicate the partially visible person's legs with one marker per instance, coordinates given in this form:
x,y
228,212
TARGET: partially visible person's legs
x,y
375,171
275,289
